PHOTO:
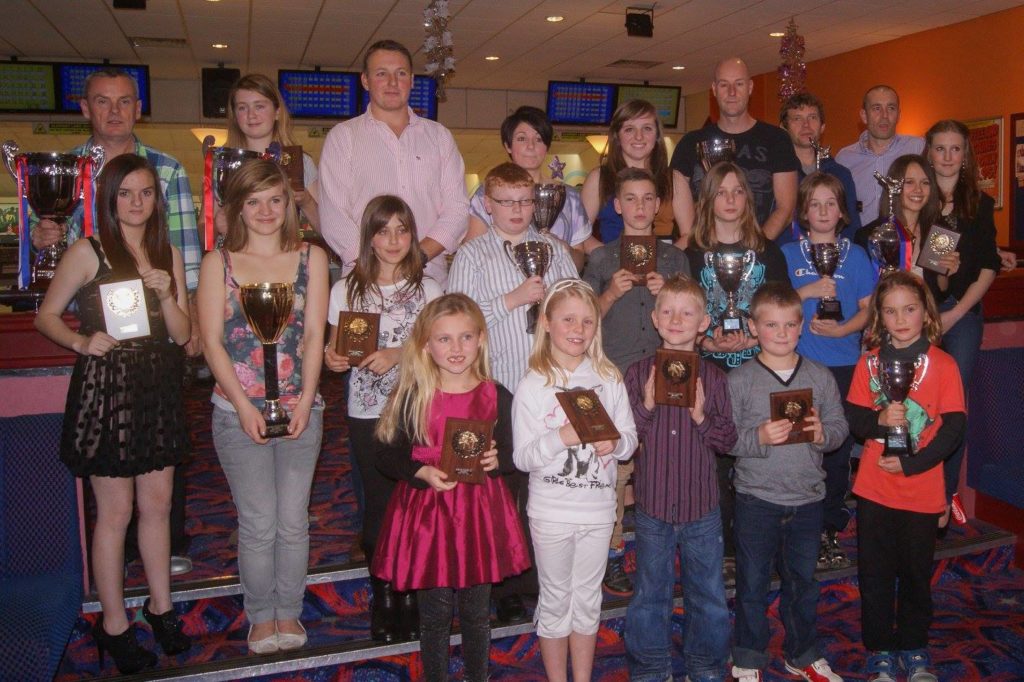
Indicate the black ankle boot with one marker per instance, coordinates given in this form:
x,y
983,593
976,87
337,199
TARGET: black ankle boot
x,y
128,654
407,626
167,631
382,612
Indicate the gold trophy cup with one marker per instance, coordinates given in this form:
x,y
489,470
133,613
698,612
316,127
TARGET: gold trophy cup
x,y
267,307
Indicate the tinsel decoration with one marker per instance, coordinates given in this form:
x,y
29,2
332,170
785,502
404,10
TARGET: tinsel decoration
x,y
793,70
438,45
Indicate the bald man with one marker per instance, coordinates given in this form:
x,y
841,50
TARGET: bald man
x,y
764,151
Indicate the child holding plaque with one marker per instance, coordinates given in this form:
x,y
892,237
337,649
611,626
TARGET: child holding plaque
x,y
677,499
124,424
780,485
572,483
901,498
627,274
387,281
270,478
821,211
447,540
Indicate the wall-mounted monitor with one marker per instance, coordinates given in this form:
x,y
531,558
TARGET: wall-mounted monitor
x,y
71,80
574,103
319,94
422,99
664,98
28,87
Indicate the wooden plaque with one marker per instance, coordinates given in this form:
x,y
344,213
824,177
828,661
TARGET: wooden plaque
x,y
637,254
939,243
357,335
587,415
795,406
291,161
675,377
465,441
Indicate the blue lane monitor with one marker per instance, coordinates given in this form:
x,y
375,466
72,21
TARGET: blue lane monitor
x,y
319,94
575,103
72,82
27,87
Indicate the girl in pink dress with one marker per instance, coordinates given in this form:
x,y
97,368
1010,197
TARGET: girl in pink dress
x,y
445,539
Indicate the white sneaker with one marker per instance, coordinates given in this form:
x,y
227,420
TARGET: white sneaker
x,y
746,674
819,671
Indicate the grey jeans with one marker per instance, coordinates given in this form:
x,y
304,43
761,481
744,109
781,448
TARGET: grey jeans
x,y
270,485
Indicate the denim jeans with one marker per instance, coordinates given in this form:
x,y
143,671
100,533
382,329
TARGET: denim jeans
x,y
962,341
649,616
770,535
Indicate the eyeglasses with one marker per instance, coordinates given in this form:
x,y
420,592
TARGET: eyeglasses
x,y
509,203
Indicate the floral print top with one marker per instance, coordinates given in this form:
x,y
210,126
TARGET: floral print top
x,y
246,351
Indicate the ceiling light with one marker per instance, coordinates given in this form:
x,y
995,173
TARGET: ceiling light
x,y
220,46
678,67
219,135
777,34
554,18
598,142
492,57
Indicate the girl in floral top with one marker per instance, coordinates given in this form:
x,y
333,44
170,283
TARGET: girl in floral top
x,y
270,478
387,279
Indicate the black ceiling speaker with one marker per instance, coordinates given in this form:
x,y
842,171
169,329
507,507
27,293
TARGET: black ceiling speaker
x,y
129,4
639,22
216,86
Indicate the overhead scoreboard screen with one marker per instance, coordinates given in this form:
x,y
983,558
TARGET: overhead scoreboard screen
x,y
664,98
576,103
71,77
27,87
319,94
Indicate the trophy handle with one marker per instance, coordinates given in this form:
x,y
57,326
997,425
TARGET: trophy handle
x,y
843,245
749,259
10,151
709,259
508,252
208,142
920,370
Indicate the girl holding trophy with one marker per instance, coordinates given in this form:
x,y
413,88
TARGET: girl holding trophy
x,y
124,424
268,456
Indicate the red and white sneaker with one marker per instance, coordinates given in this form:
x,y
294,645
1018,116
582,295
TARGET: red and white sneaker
x,y
956,508
746,674
819,671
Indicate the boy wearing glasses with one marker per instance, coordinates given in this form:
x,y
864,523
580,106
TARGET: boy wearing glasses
x,y
627,300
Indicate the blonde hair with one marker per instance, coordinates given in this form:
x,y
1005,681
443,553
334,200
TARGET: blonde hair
x,y
257,175
262,85
406,411
875,333
541,359
680,283
704,229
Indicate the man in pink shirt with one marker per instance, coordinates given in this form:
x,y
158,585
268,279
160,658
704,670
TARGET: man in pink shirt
x,y
391,150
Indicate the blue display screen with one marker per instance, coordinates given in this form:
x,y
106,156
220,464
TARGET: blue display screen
x,y
319,94
581,103
71,78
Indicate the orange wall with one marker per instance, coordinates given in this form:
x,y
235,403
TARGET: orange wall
x,y
974,69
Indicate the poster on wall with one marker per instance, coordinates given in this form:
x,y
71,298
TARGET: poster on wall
x,y
987,142
1017,177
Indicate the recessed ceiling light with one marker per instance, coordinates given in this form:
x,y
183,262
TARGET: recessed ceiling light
x,y
554,18
777,34
220,46
492,57
678,67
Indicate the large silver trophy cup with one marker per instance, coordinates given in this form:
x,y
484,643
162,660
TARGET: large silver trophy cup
x,y
548,201
884,240
897,379
53,184
267,308
532,258
716,150
731,269
826,258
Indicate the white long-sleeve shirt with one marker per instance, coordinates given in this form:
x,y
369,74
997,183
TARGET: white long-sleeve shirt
x,y
569,484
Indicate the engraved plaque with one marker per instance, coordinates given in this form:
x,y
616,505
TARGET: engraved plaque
x,y
638,254
357,335
465,441
124,309
675,377
796,407
587,415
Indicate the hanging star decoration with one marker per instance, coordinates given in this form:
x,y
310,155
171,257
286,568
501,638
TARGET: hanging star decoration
x,y
439,45
793,70
557,167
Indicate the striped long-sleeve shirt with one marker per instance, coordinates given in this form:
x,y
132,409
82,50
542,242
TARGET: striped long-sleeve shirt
x,y
675,479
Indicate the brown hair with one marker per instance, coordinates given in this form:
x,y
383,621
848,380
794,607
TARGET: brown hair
x,y
778,294
812,182
612,160
682,284
257,175
966,193
704,227
633,175
875,333
930,212
258,83
386,45
801,99
507,174
362,281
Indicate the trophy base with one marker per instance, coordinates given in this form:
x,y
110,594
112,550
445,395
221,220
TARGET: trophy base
x,y
830,309
732,324
898,445
276,419
276,430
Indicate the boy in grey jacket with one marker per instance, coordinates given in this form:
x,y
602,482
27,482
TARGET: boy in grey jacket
x,y
779,489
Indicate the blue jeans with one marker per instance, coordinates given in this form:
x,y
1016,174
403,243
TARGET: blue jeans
x,y
962,341
649,616
769,535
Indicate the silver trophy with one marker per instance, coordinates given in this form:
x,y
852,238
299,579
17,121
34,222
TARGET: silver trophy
x,y
225,161
884,240
731,269
532,257
54,184
826,258
716,150
820,154
897,379
548,201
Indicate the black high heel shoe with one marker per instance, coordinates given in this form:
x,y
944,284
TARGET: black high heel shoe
x,y
383,612
128,654
167,631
